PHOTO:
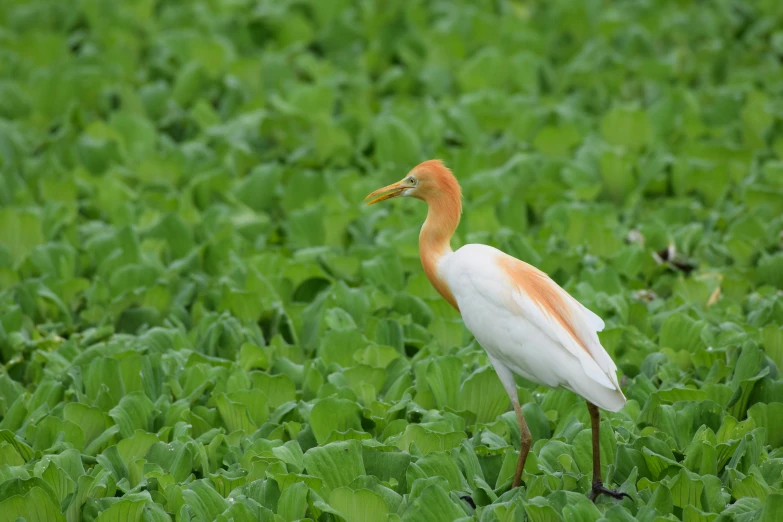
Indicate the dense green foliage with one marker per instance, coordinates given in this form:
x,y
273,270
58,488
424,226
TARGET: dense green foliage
x,y
199,320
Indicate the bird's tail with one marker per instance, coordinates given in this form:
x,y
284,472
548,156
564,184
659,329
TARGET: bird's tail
x,y
604,398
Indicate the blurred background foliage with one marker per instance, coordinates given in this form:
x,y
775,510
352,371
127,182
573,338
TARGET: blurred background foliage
x,y
199,320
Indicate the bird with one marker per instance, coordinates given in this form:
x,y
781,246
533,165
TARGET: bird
x,y
527,324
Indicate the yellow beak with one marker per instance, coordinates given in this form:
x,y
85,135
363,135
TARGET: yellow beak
x,y
390,191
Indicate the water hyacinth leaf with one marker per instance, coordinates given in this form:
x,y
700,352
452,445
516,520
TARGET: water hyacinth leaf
x,y
244,305
337,463
203,501
278,389
389,333
580,509
386,465
364,376
616,173
557,140
235,415
34,506
443,377
686,490
256,403
20,233
293,502
392,498
437,465
252,191
750,486
541,510
772,507
252,356
174,458
244,511
332,414
104,377
133,412
427,440
680,332
432,505
136,446
769,416
772,339
339,346
358,505
483,393
385,272
19,445
397,145
60,481
126,509
627,127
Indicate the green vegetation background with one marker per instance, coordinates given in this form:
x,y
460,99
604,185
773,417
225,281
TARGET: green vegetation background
x,y
199,320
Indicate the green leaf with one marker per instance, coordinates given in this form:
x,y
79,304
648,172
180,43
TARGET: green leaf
x,y
204,502
386,465
337,464
131,510
557,140
772,339
686,489
135,411
443,377
60,481
437,465
358,505
428,440
174,458
432,505
627,127
396,145
769,416
333,414
236,416
33,506
583,510
339,346
22,449
293,502
91,420
384,272
680,332
483,394
772,508
136,446
20,232
278,389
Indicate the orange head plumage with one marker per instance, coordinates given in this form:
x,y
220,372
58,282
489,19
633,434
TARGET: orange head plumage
x,y
430,181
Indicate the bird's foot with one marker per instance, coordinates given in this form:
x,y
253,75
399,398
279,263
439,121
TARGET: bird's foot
x,y
599,489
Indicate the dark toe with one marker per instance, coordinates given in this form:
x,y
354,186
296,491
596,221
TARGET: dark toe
x,y
599,489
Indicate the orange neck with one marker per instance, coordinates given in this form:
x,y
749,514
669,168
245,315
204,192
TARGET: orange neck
x,y
434,241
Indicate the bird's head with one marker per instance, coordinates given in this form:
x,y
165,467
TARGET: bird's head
x,y
430,181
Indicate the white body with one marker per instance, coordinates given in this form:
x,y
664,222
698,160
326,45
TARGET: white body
x,y
520,337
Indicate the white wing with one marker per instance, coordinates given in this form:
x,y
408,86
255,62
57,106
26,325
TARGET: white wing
x,y
526,322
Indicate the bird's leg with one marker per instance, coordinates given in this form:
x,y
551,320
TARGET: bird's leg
x,y
524,443
598,484
507,378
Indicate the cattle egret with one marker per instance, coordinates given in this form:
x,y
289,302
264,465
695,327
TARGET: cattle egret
x,y
527,324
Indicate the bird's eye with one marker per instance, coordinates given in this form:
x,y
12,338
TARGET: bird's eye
x,y
412,180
